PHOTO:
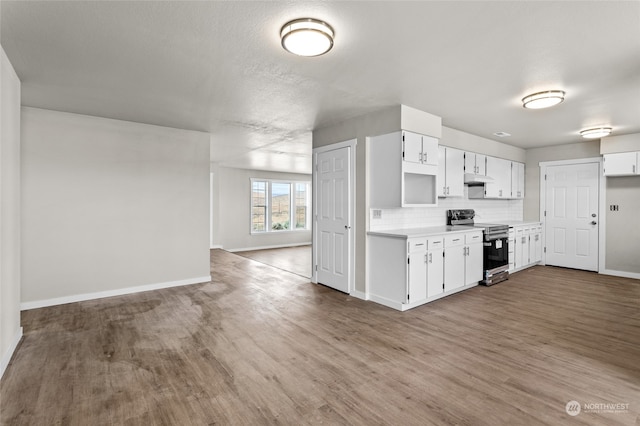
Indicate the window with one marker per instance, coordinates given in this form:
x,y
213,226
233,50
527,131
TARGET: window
x,y
280,206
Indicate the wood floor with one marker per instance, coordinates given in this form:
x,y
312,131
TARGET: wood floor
x,y
291,259
261,346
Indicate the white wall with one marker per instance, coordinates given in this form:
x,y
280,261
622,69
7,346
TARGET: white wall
x,y
10,330
110,206
233,211
622,239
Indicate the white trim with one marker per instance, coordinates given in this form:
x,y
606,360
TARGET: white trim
x,y
602,197
620,273
268,247
211,204
359,295
6,357
110,293
216,246
351,144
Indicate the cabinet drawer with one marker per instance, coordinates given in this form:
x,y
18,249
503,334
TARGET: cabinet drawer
x,y
454,240
435,243
475,237
417,244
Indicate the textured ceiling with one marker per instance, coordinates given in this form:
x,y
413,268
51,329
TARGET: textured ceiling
x,y
219,67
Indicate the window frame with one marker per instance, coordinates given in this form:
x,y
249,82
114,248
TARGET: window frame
x,y
292,206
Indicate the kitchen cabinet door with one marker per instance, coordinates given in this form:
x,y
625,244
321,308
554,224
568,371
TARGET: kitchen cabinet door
x,y
621,164
429,150
481,166
454,260
442,167
454,172
473,263
500,170
517,180
522,247
417,277
435,272
512,249
535,246
412,147
474,163
450,172
417,274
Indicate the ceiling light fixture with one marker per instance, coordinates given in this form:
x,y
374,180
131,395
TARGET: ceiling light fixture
x,y
596,132
307,37
545,99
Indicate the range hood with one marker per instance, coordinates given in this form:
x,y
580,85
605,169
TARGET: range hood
x,y
473,179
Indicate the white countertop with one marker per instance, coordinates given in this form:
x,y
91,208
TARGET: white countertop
x,y
520,222
424,232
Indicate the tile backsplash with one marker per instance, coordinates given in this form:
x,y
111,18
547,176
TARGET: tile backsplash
x,y
487,211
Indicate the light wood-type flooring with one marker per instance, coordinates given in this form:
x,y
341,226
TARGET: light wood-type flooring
x,y
261,346
291,259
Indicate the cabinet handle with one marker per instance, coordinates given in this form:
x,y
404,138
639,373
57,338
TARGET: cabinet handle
x,y
444,190
448,190
426,258
634,168
430,257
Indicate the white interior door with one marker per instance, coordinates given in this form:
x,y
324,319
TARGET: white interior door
x,y
571,221
332,211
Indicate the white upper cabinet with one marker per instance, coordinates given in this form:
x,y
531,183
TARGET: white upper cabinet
x,y
517,180
412,146
621,164
395,181
475,163
450,172
500,170
420,149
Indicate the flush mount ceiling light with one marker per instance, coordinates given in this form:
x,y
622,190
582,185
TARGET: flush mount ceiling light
x,y
596,132
307,37
545,99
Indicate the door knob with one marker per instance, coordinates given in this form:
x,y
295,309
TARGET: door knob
x,y
593,222
593,215
347,227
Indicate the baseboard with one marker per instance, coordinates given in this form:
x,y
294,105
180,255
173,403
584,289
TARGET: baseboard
x,y
359,295
216,246
110,293
6,357
620,274
269,247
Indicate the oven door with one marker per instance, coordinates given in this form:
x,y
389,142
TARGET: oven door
x,y
496,253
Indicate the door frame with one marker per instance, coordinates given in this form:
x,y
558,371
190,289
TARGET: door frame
x,y
602,197
351,144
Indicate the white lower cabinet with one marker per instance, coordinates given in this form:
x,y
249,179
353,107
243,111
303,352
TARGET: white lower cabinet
x,y
435,266
406,271
462,260
473,263
417,263
527,246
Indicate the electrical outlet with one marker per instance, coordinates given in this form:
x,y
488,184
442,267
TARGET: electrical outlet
x,y
377,214
614,207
